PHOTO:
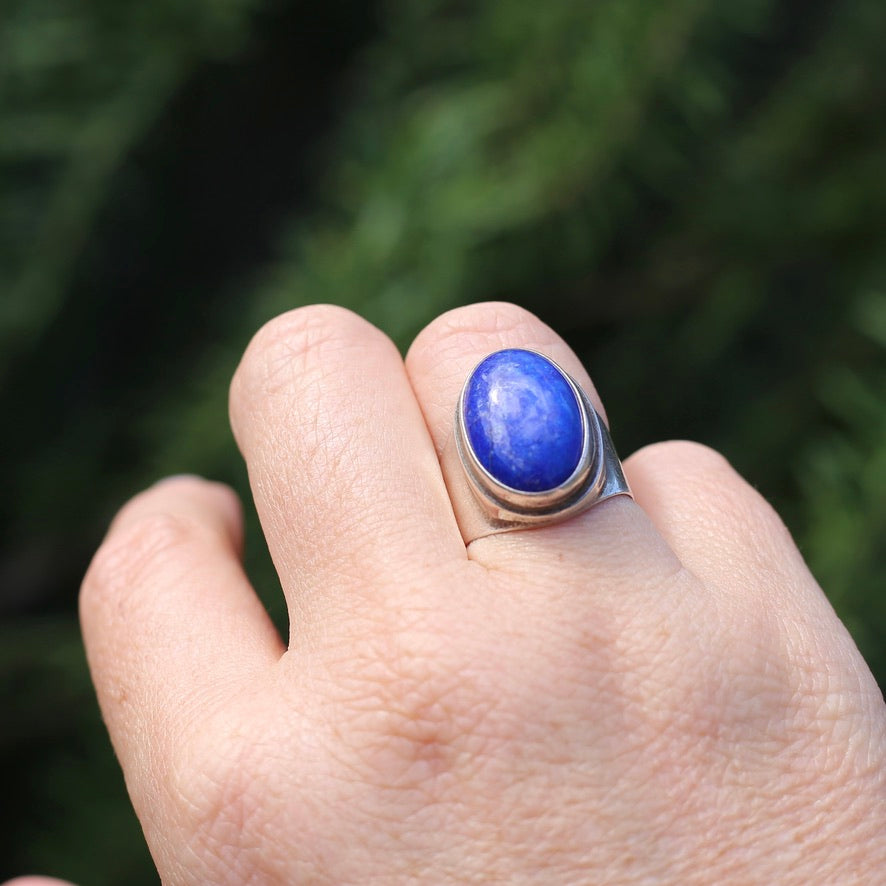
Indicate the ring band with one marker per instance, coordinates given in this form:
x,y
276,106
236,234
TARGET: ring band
x,y
531,448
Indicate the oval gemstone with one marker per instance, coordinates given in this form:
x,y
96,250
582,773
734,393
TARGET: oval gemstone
x,y
523,420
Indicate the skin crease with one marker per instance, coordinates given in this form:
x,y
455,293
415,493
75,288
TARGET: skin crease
x,y
655,691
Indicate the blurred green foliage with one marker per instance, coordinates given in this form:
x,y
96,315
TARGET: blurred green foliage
x,y
693,193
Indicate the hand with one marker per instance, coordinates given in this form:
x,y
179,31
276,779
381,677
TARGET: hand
x,y
655,691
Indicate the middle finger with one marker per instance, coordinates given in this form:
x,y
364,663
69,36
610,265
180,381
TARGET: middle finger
x,y
343,471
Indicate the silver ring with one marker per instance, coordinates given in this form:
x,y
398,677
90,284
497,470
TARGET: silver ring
x,y
532,449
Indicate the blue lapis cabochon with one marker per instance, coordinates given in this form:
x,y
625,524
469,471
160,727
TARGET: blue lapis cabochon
x,y
523,420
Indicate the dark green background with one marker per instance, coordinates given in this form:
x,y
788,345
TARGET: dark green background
x,y
693,193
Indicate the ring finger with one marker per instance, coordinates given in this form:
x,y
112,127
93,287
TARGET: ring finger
x,y
608,535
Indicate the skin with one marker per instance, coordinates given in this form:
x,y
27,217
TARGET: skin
x,y
655,691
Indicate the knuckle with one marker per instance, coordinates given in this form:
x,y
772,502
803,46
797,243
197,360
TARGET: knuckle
x,y
470,329
131,553
696,457
292,345
489,318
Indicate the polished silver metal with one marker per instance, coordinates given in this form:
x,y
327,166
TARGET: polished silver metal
x,y
485,506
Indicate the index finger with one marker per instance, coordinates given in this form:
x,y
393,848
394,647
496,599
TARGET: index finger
x,y
170,621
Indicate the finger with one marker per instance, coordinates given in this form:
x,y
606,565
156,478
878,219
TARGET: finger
x,y
722,529
36,881
344,474
607,535
728,536
171,624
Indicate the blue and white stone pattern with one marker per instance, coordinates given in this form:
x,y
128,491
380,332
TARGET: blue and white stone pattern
x,y
523,420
